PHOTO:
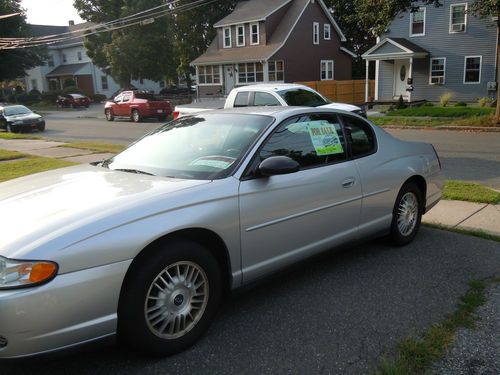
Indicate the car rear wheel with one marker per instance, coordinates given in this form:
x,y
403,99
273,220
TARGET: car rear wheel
x,y
109,115
406,215
136,116
169,299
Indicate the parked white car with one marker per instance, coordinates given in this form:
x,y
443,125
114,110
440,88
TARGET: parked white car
x,y
146,243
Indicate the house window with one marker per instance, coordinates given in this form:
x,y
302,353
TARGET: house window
x,y
458,18
326,31
79,56
472,69
315,33
50,60
34,84
209,74
254,33
326,70
276,70
227,37
417,24
104,82
437,71
64,58
240,36
250,73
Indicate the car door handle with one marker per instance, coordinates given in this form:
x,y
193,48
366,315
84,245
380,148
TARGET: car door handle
x,y
347,183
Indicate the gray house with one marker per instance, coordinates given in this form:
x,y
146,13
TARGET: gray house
x,y
433,51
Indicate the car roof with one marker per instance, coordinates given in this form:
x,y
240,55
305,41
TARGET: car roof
x,y
12,105
275,111
272,87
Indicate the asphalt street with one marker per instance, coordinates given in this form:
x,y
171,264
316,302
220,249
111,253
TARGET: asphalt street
x,y
471,156
341,313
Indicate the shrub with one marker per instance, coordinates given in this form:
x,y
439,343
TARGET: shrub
x,y
445,99
460,104
401,103
50,96
97,98
11,98
35,94
483,102
493,104
428,104
25,99
72,90
68,82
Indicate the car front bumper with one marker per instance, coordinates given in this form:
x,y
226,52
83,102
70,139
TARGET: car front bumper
x,y
72,309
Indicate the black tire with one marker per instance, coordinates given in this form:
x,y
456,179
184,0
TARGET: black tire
x,y
400,235
135,115
41,128
137,329
109,115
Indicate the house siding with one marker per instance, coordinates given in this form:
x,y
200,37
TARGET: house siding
x,y
479,39
301,39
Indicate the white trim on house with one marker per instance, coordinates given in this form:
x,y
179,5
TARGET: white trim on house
x,y
411,22
255,20
238,29
332,20
327,64
480,69
327,30
451,19
384,41
444,71
221,77
348,52
252,33
315,33
224,45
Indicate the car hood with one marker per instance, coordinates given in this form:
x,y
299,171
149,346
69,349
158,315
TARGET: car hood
x,y
40,208
342,106
28,116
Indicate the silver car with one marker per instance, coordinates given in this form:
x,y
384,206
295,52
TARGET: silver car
x,y
146,244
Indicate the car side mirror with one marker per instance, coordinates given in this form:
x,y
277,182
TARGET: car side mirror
x,y
276,165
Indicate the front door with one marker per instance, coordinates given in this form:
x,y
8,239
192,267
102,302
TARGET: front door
x,y
287,217
228,78
401,74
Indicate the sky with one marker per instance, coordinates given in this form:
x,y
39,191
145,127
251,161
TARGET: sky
x,y
50,12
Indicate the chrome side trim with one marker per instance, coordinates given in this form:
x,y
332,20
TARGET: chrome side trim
x,y
376,193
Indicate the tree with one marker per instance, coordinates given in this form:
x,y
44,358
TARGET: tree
x,y
15,62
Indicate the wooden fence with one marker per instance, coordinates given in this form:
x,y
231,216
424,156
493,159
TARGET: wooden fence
x,y
343,91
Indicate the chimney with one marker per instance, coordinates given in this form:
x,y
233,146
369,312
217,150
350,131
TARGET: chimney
x,y
72,23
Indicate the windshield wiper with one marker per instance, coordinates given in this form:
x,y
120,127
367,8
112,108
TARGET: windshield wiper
x,y
130,170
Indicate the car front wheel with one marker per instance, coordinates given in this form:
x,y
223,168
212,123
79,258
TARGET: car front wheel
x,y
169,298
109,115
136,116
406,215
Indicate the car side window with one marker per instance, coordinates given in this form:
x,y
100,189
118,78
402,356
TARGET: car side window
x,y
118,98
241,99
126,98
265,99
310,140
360,136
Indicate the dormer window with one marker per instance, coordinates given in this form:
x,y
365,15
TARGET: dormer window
x,y
227,37
254,33
240,36
417,25
458,18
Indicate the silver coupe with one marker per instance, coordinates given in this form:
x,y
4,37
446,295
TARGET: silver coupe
x,y
146,244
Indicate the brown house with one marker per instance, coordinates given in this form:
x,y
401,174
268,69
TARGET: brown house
x,y
273,41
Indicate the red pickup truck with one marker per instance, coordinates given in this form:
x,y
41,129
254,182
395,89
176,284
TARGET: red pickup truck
x,y
137,105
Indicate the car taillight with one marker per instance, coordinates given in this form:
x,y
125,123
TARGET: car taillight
x,y
175,114
437,156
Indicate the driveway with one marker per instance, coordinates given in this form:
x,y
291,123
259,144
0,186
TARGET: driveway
x,y
337,314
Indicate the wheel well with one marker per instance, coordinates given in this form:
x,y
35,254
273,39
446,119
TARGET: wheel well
x,y
204,237
422,186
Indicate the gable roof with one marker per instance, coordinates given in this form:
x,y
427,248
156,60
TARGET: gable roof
x,y
391,48
69,69
251,11
214,55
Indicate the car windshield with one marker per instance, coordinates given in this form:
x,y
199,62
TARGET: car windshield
x,y
302,98
202,147
16,110
76,96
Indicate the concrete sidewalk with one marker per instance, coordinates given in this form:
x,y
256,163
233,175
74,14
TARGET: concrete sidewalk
x,y
453,214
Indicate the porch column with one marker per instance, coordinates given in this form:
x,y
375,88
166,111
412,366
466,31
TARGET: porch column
x,y
410,74
367,86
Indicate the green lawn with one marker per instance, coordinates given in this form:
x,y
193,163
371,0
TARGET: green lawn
x,y
97,146
463,112
10,155
5,135
479,121
469,191
28,166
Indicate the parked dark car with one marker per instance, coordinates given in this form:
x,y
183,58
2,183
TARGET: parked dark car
x,y
73,101
18,118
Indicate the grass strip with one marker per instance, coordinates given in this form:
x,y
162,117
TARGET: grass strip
x,y
10,155
479,121
5,135
417,355
96,146
442,112
28,166
470,192
469,232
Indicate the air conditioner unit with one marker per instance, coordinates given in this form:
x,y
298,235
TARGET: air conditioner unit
x,y
458,27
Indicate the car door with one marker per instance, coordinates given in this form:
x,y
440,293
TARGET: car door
x,y
125,105
285,218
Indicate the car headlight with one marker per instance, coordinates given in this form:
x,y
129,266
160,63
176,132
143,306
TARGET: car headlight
x,y
40,119
25,273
